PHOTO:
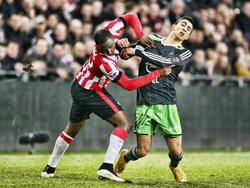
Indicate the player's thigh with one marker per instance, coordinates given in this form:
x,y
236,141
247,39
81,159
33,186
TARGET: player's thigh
x,y
168,120
78,112
120,119
174,144
144,124
79,107
106,106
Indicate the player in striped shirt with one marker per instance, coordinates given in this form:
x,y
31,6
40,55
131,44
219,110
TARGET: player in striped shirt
x,y
90,96
156,101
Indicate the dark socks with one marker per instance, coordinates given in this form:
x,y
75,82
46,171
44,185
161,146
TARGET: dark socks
x,y
131,155
175,159
49,169
106,166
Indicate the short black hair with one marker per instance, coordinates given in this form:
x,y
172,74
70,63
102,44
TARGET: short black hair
x,y
188,18
102,36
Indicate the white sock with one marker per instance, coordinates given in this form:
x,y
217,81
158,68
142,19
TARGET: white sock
x,y
115,145
61,145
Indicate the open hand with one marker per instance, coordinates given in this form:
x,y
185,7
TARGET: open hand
x,y
146,41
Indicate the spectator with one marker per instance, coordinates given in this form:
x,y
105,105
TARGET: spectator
x,y
80,53
243,20
198,64
27,8
39,30
2,34
212,60
55,6
155,19
9,7
196,67
177,8
76,31
223,67
87,30
114,10
41,7
52,21
2,54
39,55
60,34
243,66
12,28
12,60
143,13
56,65
83,12
220,29
224,14
97,12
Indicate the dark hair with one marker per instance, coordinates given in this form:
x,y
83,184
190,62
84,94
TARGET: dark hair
x,y
102,36
188,18
40,38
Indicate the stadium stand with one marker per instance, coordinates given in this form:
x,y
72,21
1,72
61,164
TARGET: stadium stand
x,y
56,36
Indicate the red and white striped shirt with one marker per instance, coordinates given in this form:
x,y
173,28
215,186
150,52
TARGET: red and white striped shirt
x,y
99,69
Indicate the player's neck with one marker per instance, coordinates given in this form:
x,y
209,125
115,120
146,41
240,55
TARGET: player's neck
x,y
171,39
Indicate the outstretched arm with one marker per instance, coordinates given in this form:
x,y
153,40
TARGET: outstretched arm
x,y
131,84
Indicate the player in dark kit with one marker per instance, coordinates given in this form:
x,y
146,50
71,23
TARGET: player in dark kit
x,y
90,96
156,101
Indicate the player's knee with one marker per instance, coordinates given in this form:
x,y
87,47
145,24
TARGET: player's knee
x,y
72,129
127,126
176,154
177,151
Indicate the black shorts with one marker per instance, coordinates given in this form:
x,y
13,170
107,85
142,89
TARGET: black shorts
x,y
84,102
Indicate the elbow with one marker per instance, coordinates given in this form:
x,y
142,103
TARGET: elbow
x,y
132,14
131,89
128,88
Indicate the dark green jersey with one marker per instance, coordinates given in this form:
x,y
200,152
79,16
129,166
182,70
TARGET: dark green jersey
x,y
160,90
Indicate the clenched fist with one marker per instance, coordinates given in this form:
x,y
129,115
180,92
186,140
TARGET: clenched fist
x,y
127,53
165,70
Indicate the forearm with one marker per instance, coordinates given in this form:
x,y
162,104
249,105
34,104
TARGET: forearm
x,y
131,84
133,21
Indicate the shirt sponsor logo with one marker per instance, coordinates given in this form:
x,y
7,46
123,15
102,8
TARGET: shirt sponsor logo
x,y
171,53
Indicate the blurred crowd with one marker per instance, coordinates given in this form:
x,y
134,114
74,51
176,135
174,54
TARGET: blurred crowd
x,y
56,36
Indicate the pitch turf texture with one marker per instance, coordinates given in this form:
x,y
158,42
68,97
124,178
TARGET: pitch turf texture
x,y
203,169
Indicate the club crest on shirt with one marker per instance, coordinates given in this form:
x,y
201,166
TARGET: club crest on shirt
x,y
150,67
113,74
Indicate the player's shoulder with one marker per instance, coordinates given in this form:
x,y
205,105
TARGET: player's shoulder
x,y
155,36
185,53
108,59
182,49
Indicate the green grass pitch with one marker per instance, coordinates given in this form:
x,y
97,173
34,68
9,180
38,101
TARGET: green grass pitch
x,y
203,169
